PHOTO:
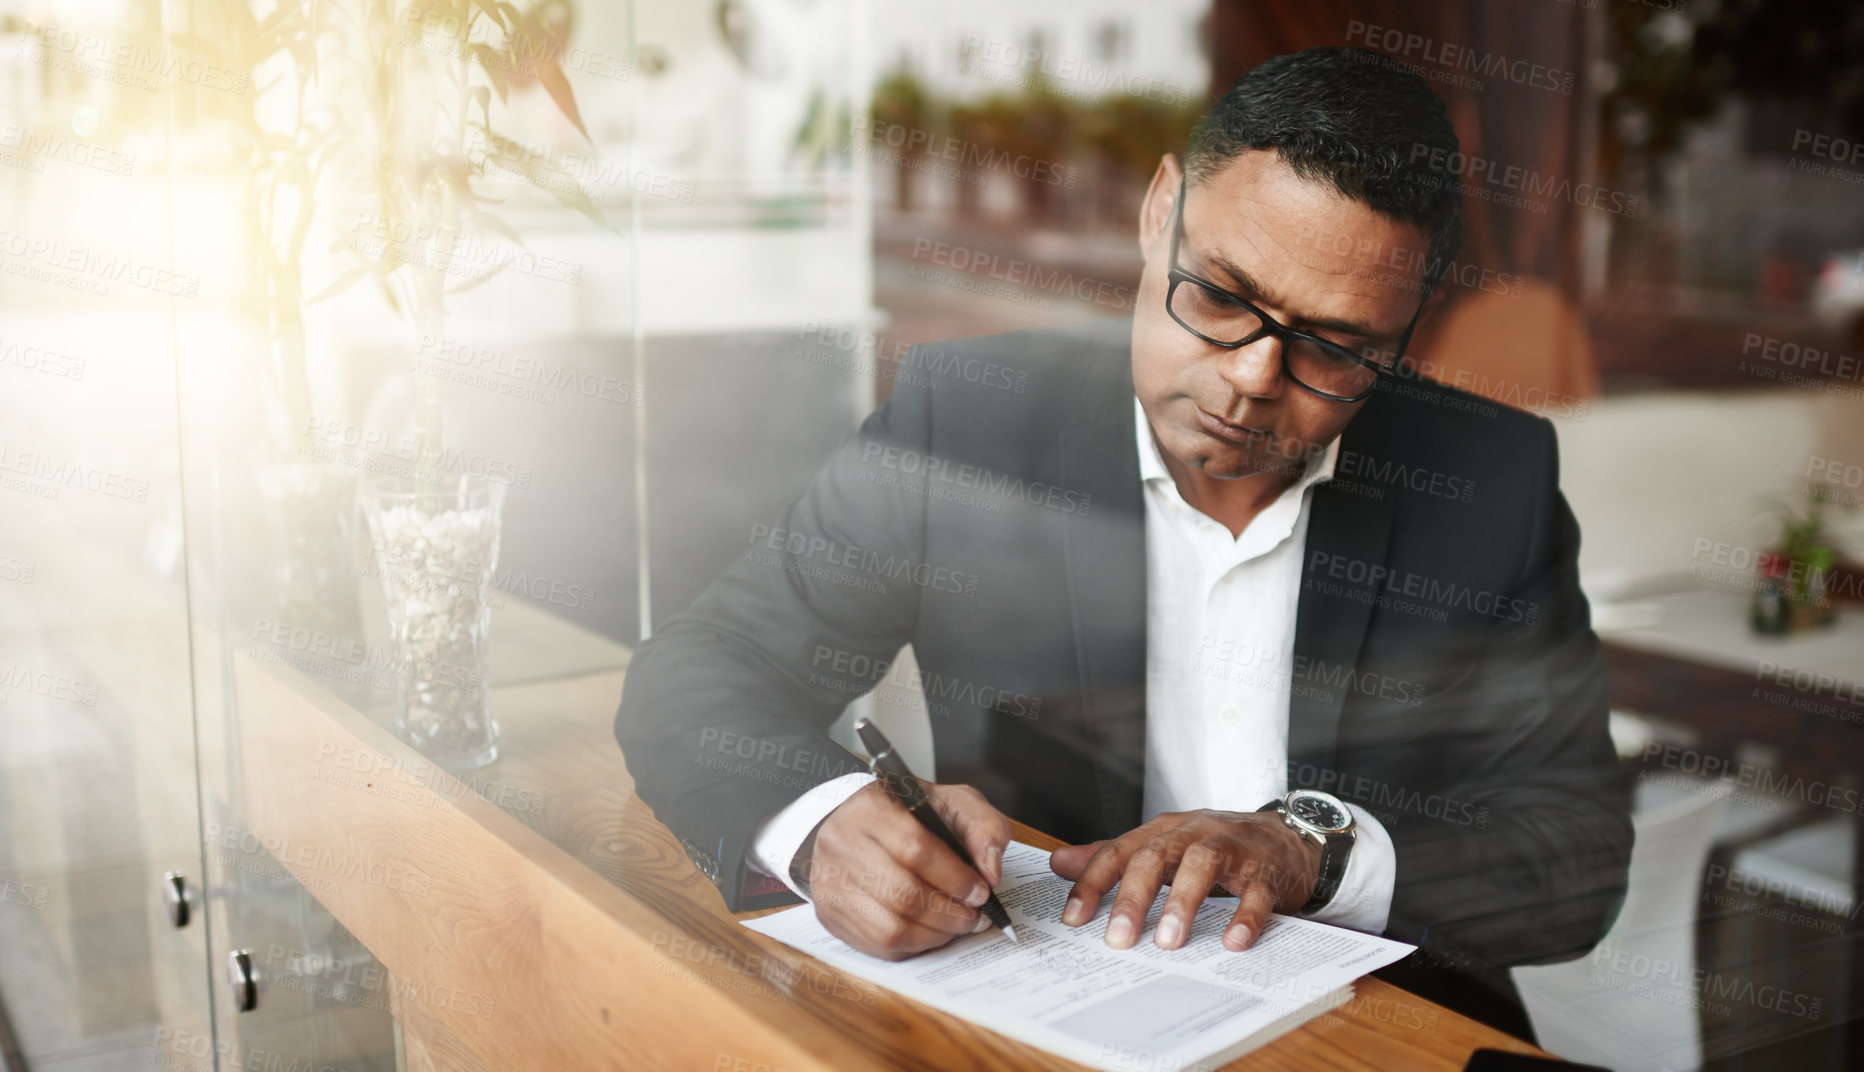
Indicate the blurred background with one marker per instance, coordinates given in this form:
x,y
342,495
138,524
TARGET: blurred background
x,y
642,265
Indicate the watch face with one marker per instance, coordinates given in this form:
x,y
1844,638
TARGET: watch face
x,y
1319,810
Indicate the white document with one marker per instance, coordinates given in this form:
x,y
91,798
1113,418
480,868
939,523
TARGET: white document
x,y
1064,990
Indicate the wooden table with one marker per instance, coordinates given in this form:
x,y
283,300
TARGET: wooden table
x,y
1697,664
537,916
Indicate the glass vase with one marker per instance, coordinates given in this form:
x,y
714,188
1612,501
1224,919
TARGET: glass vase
x,y
435,547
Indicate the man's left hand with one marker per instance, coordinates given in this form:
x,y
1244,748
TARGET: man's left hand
x,y
1253,856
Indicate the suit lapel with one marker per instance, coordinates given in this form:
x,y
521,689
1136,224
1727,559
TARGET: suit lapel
x,y
1345,528
1105,550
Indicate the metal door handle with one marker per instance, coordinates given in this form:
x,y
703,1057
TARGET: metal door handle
x,y
175,898
242,980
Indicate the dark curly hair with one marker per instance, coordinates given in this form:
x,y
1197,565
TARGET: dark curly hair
x,y
1351,118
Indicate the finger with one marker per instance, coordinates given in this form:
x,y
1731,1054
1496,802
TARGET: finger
x,y
927,882
1190,884
1145,872
1102,870
895,892
1070,860
984,830
911,939
1254,903
919,851
868,926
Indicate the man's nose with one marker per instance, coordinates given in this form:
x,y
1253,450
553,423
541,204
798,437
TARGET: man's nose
x,y
1255,370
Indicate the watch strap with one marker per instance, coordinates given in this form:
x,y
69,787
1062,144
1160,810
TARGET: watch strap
x,y
1333,856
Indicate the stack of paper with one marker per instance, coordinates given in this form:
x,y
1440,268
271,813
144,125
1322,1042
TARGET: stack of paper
x,y
1062,989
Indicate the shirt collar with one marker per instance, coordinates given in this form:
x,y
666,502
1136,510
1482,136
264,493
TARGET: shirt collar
x,y
1152,463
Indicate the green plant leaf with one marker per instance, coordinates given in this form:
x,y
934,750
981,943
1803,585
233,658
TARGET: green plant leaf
x,y
492,12
391,259
558,86
340,284
483,96
497,66
517,158
388,293
282,15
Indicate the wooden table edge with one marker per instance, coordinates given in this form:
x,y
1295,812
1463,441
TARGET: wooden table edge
x,y
509,914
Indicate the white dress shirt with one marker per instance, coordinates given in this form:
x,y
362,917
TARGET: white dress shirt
x,y
1220,614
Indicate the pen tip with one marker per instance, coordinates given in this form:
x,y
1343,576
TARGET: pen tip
x,y
1011,931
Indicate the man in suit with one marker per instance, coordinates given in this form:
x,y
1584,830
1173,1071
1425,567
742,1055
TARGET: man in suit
x,y
1157,573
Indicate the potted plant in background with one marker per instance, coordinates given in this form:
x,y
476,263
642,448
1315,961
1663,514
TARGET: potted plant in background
x,y
430,70
417,111
902,111
1793,590
398,95
280,134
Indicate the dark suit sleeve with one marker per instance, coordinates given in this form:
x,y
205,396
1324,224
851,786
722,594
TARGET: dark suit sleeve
x,y
725,710
1536,873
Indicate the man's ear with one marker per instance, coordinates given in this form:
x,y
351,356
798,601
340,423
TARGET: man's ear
x,y
1155,211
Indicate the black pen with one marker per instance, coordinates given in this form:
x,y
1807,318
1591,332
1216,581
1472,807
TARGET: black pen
x,y
900,784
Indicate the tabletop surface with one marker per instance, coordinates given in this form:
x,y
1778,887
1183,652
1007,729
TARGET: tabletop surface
x,y
558,741
1710,626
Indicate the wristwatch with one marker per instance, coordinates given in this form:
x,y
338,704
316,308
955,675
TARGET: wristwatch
x,y
1321,818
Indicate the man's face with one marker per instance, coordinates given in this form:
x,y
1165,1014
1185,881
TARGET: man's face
x,y
1302,252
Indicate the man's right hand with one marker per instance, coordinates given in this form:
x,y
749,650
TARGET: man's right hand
x,y
888,887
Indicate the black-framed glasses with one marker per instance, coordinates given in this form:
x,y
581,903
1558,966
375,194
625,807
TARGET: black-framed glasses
x,y
1310,362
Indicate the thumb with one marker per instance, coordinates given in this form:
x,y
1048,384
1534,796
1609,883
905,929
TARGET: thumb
x,y
1070,860
983,830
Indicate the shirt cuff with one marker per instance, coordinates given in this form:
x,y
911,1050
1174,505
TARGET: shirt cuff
x,y
1364,900
777,838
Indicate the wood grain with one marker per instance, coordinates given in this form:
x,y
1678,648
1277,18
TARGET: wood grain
x,y
543,888
426,1044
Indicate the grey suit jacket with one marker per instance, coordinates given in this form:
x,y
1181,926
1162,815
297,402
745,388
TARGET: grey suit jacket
x,y
990,513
